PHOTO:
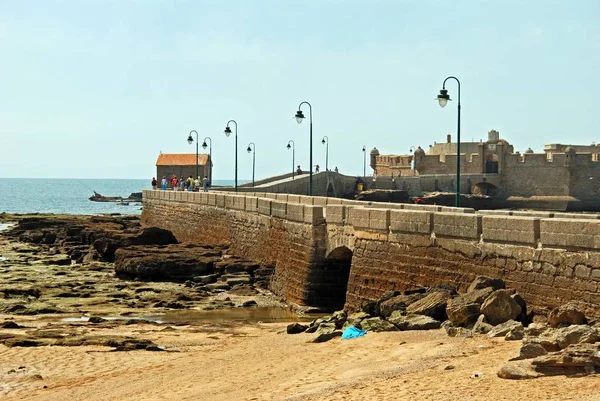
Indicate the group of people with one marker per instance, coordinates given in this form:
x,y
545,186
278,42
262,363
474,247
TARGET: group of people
x,y
317,169
181,184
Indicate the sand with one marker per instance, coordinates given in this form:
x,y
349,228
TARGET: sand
x,y
243,361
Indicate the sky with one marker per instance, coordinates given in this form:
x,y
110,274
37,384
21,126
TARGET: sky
x,y
97,89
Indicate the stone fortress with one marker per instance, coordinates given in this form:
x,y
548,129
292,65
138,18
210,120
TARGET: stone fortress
x,y
564,177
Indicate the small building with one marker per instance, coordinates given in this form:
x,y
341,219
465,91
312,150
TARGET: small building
x,y
183,165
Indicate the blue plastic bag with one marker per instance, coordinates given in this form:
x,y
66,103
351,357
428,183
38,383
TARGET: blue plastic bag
x,y
352,332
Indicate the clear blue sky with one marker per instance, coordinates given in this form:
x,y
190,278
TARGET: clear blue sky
x,y
96,89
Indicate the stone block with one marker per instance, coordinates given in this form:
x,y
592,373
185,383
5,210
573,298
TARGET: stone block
x,y
495,212
570,233
358,217
295,212
334,201
411,221
220,200
578,216
293,198
335,214
524,230
313,215
204,198
271,196
319,200
452,209
252,204
229,201
306,200
239,202
532,214
212,199
379,219
282,197
459,225
429,208
264,206
279,209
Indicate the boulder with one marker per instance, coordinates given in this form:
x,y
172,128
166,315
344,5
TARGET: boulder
x,y
535,329
453,331
413,322
433,304
481,326
503,328
477,296
461,312
519,299
500,307
516,372
355,319
324,337
376,324
515,334
575,334
483,281
326,328
573,360
529,351
295,328
398,303
565,315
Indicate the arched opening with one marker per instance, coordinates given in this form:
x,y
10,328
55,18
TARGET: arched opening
x,y
328,280
485,188
330,190
491,164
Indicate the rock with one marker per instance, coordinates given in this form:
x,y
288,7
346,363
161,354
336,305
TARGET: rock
x,y
500,307
397,303
575,359
249,303
519,299
413,322
460,312
529,351
477,296
545,340
325,328
516,372
295,328
503,328
96,319
207,279
376,324
515,334
321,338
217,286
355,319
565,315
23,342
453,331
575,334
535,329
433,304
483,281
481,326
241,279
9,324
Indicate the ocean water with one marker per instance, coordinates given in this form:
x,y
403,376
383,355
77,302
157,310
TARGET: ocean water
x,y
70,196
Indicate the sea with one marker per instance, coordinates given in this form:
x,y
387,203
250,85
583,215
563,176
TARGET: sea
x,y
71,196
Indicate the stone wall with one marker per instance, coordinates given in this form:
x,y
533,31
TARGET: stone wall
x,y
550,258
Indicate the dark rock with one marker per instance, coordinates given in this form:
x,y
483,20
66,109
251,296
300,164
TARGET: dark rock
x,y
295,328
500,307
321,338
376,324
529,351
515,334
483,281
326,328
23,342
397,303
96,320
576,359
575,334
519,299
453,331
565,315
503,328
460,312
248,304
9,324
481,326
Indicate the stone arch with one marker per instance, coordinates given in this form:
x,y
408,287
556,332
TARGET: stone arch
x,y
485,188
328,280
330,190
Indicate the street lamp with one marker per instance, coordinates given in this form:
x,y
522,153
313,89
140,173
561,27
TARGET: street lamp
x,y
364,149
209,155
299,117
325,141
443,99
227,132
293,147
253,150
190,140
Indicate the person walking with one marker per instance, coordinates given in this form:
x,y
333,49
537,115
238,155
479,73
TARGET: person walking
x,y
190,183
164,183
154,183
197,184
205,184
174,183
317,168
336,169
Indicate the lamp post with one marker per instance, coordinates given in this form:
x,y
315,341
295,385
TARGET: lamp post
x,y
443,99
227,132
364,149
209,155
299,117
253,150
325,141
190,140
293,147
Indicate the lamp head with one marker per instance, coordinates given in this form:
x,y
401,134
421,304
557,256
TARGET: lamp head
x,y
190,139
364,149
323,141
289,146
227,131
249,150
299,116
204,145
443,97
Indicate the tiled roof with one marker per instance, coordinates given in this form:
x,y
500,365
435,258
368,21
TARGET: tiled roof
x,y
181,159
